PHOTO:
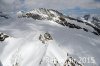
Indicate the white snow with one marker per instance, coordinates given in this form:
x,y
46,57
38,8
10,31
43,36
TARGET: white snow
x,y
24,48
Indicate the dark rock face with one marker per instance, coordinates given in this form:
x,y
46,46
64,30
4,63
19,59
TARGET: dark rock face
x,y
34,16
3,36
48,36
95,19
86,17
45,37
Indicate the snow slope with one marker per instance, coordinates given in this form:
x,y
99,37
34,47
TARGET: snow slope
x,y
23,47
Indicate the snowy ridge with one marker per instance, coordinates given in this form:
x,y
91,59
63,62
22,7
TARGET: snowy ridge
x,y
48,54
94,19
53,15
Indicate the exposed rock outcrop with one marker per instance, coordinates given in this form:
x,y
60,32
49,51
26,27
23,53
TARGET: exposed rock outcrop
x,y
45,37
3,36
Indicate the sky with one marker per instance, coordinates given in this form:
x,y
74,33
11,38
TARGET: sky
x,y
66,6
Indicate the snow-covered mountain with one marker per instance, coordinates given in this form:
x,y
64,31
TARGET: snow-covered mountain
x,y
53,15
46,37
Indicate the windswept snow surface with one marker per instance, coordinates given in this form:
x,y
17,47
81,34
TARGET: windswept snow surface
x,y
23,47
